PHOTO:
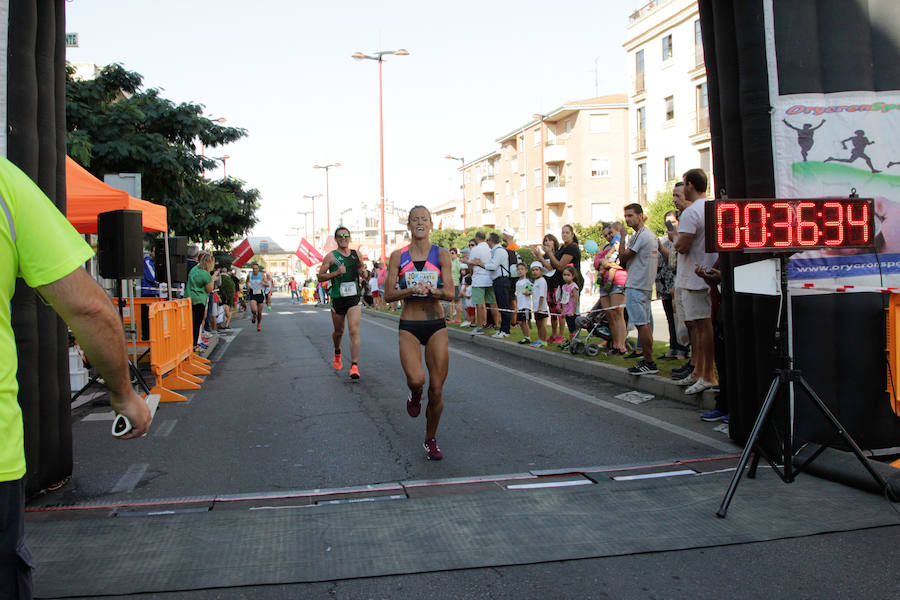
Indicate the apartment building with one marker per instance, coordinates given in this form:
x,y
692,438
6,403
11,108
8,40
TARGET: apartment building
x,y
364,220
668,98
569,165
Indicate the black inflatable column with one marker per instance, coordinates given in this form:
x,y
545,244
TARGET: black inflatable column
x,y
36,144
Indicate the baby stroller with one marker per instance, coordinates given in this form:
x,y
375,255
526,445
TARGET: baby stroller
x,y
596,324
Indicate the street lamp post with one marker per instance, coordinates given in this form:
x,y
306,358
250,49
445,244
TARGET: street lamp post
x,y
543,178
313,211
327,198
203,146
462,185
224,168
379,56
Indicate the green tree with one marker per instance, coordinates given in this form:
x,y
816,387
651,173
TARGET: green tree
x,y
656,210
114,126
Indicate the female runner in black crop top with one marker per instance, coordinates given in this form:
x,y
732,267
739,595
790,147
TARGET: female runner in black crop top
x,y
422,323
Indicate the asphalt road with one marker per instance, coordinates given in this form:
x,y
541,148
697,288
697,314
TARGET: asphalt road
x,y
274,416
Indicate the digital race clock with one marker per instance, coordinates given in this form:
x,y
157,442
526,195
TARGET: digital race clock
x,y
767,225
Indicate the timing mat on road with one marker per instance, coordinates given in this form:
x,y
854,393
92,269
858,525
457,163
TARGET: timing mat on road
x,y
94,556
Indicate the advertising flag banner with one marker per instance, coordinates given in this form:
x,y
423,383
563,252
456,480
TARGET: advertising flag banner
x,y
827,142
307,253
242,253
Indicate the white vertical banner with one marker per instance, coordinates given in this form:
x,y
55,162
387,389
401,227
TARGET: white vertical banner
x,y
4,45
827,144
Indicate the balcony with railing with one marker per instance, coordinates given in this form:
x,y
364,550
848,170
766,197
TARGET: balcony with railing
x,y
701,123
488,186
555,192
488,217
645,10
640,141
638,81
555,151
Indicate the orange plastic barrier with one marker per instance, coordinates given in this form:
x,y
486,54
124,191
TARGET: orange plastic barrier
x,y
133,318
892,325
172,359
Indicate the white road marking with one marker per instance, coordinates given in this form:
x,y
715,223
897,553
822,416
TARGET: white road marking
x,y
101,416
654,475
611,406
131,478
548,484
165,428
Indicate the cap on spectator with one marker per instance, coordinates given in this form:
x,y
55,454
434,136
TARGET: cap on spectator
x,y
508,231
537,264
465,251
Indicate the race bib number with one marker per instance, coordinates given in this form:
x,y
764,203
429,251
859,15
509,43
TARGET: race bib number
x,y
348,288
414,278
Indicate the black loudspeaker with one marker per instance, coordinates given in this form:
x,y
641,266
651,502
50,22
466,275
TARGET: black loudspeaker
x,y
120,234
177,256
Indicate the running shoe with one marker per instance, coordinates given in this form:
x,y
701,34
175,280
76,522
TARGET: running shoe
x,y
477,330
687,380
614,352
268,307
336,363
643,368
525,341
414,407
354,372
465,324
432,452
258,328
564,346
253,319
538,344
713,416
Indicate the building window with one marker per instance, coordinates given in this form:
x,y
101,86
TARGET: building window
x,y
522,181
601,212
569,171
568,127
469,176
639,72
702,109
599,167
538,217
537,137
507,187
553,178
599,123
537,177
478,203
698,44
667,48
523,221
641,129
515,164
642,183
670,108
706,162
508,222
669,168
515,200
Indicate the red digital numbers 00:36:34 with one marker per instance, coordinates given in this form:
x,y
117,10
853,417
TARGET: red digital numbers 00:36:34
x,y
796,224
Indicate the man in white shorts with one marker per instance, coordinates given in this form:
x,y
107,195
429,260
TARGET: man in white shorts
x,y
692,291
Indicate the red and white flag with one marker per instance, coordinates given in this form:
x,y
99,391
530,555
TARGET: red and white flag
x,y
308,253
242,254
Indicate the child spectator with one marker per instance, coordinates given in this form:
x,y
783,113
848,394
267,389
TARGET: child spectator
x,y
539,304
373,288
465,292
568,297
524,287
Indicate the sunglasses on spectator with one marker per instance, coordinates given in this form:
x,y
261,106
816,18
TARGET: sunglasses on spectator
x,y
343,235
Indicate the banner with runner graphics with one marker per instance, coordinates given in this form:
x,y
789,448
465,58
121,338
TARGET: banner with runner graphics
x,y
826,145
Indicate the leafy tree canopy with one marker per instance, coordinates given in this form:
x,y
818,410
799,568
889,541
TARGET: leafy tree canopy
x,y
113,126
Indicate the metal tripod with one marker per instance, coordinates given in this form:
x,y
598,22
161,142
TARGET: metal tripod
x,y
785,378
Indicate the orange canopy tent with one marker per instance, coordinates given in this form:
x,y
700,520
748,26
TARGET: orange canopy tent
x,y
87,196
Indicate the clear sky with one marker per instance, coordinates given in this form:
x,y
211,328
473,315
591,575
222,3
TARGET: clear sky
x,y
282,70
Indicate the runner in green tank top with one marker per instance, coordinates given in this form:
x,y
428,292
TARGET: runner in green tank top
x,y
341,268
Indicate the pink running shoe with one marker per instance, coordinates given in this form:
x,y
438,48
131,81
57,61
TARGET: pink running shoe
x,y
432,452
414,407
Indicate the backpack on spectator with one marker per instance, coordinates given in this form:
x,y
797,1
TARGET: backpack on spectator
x,y
514,259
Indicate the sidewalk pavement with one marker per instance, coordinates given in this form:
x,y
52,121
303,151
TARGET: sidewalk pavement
x,y
651,384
